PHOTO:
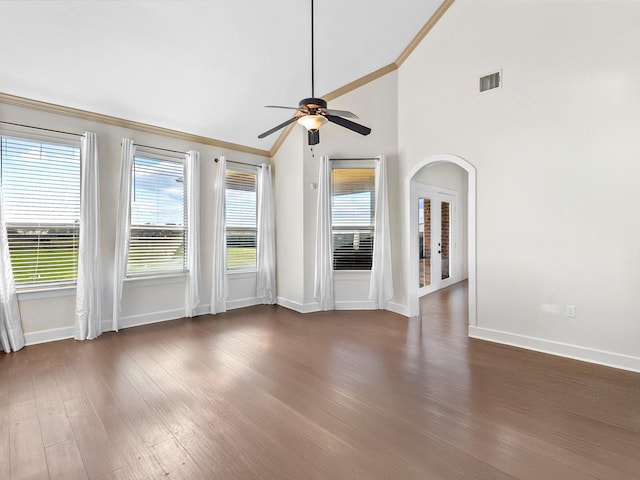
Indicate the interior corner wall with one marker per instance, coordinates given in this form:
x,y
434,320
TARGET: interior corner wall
x,y
46,317
375,103
556,153
288,166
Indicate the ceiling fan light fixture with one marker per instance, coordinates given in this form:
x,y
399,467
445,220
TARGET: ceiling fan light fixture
x,y
312,122
312,112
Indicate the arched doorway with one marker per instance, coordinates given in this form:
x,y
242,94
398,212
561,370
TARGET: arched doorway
x,y
411,247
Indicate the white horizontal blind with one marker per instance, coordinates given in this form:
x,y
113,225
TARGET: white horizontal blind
x,y
41,187
352,217
241,219
157,243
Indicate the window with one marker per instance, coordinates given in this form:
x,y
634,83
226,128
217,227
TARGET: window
x,y
41,195
352,214
158,238
241,218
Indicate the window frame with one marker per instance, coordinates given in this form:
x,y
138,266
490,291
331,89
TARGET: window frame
x,y
55,288
365,163
245,169
150,153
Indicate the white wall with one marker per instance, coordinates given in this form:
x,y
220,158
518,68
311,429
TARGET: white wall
x,y
288,165
556,152
48,316
296,202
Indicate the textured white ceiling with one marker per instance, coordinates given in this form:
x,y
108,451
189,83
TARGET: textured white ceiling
x,y
200,67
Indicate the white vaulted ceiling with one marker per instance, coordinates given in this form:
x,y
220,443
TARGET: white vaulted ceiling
x,y
200,67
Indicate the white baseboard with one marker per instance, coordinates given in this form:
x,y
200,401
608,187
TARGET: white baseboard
x,y
152,317
315,307
242,302
50,335
62,333
298,307
343,305
175,314
355,305
397,308
576,352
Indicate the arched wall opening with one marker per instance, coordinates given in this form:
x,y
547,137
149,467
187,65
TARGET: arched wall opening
x,y
411,253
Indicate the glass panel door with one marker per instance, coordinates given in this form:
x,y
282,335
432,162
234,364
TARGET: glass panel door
x,y
436,211
424,241
444,246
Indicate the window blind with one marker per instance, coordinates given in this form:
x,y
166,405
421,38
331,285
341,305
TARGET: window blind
x,y
41,198
157,242
352,217
241,219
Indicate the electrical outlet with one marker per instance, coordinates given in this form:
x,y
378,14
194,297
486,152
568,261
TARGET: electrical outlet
x,y
571,311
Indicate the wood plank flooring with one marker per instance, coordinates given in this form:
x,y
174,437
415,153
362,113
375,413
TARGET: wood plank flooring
x,y
266,393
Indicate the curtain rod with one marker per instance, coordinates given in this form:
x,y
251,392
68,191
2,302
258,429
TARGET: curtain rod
x,y
45,129
241,163
158,148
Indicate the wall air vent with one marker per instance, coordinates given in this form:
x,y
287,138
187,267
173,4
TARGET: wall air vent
x,y
491,81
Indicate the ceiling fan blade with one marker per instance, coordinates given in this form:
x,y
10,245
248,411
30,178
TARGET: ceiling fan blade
x,y
280,106
314,137
343,122
275,129
339,113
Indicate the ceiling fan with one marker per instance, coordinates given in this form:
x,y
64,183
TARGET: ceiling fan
x,y
312,112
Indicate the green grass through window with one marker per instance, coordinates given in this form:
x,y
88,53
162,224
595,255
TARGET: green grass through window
x,y
239,257
44,265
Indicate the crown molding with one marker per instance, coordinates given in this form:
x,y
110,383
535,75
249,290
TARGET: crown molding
x,y
349,87
130,124
280,140
437,15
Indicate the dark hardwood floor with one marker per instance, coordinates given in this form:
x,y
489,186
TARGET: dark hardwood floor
x,y
266,393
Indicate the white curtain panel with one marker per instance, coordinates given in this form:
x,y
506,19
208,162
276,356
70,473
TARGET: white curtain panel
x,y
219,288
323,291
11,337
122,227
381,286
88,291
266,255
192,185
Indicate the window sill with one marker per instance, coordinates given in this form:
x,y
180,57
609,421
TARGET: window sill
x,y
150,280
36,293
352,274
239,274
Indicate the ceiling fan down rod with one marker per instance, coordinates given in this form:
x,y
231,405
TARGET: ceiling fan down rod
x,y
312,57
